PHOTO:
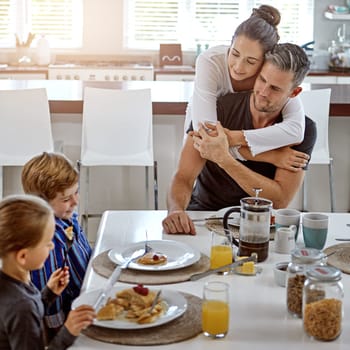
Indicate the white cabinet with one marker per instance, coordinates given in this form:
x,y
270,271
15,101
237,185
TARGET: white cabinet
x,y
175,77
343,80
326,79
23,76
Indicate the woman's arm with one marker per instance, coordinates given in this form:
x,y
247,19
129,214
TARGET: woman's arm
x,y
205,92
288,132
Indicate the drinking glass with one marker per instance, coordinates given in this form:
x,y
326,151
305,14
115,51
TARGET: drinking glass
x,y
215,309
221,250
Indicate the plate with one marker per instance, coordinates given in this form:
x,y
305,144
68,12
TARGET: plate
x,y
234,217
175,301
179,255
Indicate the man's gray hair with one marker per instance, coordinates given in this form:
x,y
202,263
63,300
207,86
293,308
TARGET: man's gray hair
x,y
290,58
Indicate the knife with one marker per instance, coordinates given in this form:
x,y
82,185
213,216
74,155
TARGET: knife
x,y
197,276
107,289
207,219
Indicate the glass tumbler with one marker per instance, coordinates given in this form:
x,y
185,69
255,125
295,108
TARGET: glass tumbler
x,y
221,252
215,309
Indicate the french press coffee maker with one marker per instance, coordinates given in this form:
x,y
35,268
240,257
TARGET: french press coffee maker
x,y
254,226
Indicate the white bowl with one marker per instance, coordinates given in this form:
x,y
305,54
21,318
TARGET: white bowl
x,y
280,273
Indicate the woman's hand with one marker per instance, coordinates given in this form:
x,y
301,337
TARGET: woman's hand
x,y
290,159
59,280
79,319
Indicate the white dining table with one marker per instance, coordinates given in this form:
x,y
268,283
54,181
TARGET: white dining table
x,y
258,313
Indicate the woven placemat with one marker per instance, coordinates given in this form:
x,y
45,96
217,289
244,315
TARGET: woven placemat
x,y
103,265
185,327
341,258
217,226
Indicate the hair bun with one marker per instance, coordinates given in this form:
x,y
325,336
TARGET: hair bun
x,y
270,14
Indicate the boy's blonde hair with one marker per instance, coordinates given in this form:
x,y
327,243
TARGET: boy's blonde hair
x,y
48,174
23,219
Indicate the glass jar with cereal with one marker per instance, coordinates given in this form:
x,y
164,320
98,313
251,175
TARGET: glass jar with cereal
x,y
323,303
301,260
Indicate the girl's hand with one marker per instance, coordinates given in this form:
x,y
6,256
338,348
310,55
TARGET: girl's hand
x,y
59,280
79,319
290,159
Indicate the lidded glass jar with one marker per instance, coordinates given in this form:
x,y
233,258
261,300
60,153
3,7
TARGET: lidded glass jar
x,y
323,303
301,260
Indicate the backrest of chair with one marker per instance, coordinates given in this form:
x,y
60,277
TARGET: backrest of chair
x,y
25,125
316,106
117,127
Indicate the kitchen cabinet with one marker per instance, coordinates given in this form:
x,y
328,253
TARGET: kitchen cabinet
x,y
180,73
343,80
325,79
174,77
23,76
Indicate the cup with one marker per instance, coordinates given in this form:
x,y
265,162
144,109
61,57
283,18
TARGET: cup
x,y
286,217
285,239
315,229
221,252
280,273
215,309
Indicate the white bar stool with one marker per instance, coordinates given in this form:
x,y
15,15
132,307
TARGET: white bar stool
x,y
25,127
316,106
117,130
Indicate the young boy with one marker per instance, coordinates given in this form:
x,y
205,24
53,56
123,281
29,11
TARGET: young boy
x,y
53,177
27,227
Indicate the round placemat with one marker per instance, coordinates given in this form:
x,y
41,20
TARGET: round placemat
x,y
103,265
217,226
341,258
185,327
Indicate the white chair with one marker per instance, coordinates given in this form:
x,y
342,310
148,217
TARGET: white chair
x,y
316,105
25,127
117,130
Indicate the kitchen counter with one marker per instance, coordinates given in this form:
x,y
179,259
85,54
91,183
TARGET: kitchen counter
x,y
168,97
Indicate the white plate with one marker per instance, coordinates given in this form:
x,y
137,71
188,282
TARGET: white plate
x,y
175,301
234,217
179,255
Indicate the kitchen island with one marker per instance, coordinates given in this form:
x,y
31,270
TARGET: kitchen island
x,y
169,97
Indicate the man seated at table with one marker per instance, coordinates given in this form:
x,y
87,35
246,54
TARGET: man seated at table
x,y
209,178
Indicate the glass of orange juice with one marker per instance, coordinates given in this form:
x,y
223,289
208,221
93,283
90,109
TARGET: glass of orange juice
x,y
221,253
215,309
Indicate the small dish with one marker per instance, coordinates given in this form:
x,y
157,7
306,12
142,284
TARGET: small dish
x,y
280,273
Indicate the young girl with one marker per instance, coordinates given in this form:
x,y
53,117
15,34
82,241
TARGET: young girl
x,y
27,226
221,70
53,177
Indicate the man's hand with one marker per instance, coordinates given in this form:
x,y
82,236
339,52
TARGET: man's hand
x,y
59,280
178,222
212,148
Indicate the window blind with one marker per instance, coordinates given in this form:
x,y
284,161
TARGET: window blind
x,y
61,21
147,23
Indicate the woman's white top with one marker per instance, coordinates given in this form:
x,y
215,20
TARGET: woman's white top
x,y
213,80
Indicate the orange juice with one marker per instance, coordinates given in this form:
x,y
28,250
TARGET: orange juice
x,y
220,255
215,318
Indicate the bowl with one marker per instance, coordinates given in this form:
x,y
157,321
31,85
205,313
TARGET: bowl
x,y
280,273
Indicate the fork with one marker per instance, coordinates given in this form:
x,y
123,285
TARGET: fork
x,y
148,248
155,301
